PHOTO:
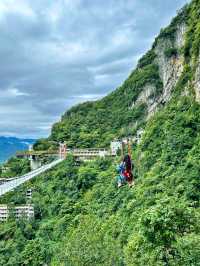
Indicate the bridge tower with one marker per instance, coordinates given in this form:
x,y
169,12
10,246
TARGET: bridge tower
x,y
35,162
62,150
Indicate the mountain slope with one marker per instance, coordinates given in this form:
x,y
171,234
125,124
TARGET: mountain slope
x,y
9,146
81,217
128,108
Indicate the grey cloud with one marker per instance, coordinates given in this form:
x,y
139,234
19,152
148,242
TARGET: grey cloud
x,y
58,53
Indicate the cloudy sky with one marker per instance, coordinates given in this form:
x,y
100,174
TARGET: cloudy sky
x,y
55,54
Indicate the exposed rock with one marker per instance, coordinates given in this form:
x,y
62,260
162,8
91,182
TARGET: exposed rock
x,y
180,35
153,108
197,82
147,95
170,68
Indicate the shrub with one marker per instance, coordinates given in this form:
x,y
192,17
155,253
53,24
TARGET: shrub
x,y
147,59
171,52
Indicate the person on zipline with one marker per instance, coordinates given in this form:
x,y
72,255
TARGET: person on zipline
x,y
125,169
128,170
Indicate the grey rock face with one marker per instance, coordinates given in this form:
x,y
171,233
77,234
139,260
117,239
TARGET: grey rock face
x,y
197,82
147,95
180,36
170,70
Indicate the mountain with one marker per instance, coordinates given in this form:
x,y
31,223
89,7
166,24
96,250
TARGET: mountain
x,y
81,218
148,88
9,146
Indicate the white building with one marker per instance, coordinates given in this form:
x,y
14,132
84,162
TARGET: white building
x,y
29,193
4,169
19,211
4,213
103,153
115,146
139,135
24,211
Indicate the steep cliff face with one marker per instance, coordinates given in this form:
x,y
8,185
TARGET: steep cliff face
x,y
170,63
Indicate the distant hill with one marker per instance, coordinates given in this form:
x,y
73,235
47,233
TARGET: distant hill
x,y
9,146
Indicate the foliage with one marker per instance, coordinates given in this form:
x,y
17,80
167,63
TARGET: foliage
x,y
192,39
147,59
15,167
81,218
171,52
44,144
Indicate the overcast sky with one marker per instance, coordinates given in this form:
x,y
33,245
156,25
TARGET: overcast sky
x,y
57,53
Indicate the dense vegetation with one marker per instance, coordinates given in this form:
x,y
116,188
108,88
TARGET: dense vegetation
x,y
14,167
81,218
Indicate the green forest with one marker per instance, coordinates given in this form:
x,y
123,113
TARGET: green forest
x,y
81,218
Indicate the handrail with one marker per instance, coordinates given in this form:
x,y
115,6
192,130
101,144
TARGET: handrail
x,y
8,186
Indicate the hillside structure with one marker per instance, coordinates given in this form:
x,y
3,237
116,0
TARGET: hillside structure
x,y
26,211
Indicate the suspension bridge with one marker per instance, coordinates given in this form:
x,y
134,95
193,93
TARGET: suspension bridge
x,y
17,181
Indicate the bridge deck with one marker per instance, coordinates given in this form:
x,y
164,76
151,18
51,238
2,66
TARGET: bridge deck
x,y
35,153
74,152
